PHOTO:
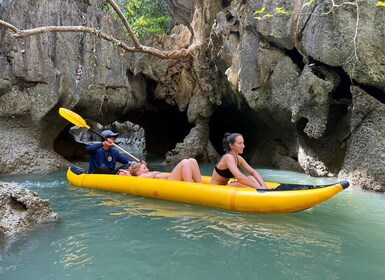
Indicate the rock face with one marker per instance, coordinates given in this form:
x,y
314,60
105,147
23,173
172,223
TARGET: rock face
x,y
291,83
21,209
42,73
364,163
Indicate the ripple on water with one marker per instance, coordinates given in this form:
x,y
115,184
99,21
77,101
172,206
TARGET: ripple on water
x,y
112,236
73,251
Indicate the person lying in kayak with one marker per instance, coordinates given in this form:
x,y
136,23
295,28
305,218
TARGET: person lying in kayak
x,y
186,170
228,166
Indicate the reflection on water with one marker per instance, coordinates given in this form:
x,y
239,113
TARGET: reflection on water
x,y
108,236
195,222
73,251
287,238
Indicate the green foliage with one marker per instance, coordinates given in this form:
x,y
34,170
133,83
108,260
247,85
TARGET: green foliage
x,y
131,7
281,10
145,17
260,14
309,3
260,11
380,4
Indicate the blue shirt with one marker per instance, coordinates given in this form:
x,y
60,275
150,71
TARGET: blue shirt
x,y
100,157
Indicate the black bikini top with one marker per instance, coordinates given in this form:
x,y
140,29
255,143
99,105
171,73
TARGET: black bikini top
x,y
226,173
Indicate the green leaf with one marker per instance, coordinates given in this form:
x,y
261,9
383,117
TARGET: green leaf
x,y
380,4
279,10
311,2
145,17
260,11
136,3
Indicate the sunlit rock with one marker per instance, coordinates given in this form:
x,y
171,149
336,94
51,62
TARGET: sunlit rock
x,y
22,209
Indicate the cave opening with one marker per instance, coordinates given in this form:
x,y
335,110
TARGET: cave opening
x,y
66,146
163,124
229,118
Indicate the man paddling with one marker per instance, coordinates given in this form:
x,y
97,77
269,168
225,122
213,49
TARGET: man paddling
x,y
104,156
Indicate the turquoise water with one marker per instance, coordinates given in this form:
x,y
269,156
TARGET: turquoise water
x,y
105,235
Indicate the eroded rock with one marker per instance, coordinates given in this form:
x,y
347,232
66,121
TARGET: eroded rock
x,y
365,159
22,209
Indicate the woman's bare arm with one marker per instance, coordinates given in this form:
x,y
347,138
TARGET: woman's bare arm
x,y
154,174
245,166
241,178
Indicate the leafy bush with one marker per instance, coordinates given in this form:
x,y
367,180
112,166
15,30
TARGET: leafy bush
x,y
146,17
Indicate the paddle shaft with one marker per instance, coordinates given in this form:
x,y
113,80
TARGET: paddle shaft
x,y
77,120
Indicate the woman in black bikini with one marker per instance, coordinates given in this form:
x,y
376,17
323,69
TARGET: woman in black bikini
x,y
228,166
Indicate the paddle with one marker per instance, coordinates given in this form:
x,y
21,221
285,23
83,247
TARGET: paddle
x,y
77,120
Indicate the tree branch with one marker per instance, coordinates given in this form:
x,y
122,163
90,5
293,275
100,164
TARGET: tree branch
x,y
176,54
18,33
9,26
126,24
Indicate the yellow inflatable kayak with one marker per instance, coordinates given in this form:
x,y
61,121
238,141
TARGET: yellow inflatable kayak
x,y
281,198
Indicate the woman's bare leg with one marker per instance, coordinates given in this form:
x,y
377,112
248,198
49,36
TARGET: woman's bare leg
x,y
182,171
196,172
186,170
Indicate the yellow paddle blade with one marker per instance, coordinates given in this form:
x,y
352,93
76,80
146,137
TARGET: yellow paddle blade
x,y
73,118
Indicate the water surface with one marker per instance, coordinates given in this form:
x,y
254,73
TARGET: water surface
x,y
105,235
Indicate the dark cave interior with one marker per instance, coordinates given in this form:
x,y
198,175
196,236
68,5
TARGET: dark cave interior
x,y
165,126
228,118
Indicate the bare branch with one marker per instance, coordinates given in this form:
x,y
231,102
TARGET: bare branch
x,y
177,54
9,26
126,24
18,33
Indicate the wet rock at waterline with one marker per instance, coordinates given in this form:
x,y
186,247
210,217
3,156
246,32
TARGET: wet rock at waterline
x,y
21,209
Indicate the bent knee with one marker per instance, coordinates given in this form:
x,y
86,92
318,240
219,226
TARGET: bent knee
x,y
184,162
193,160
